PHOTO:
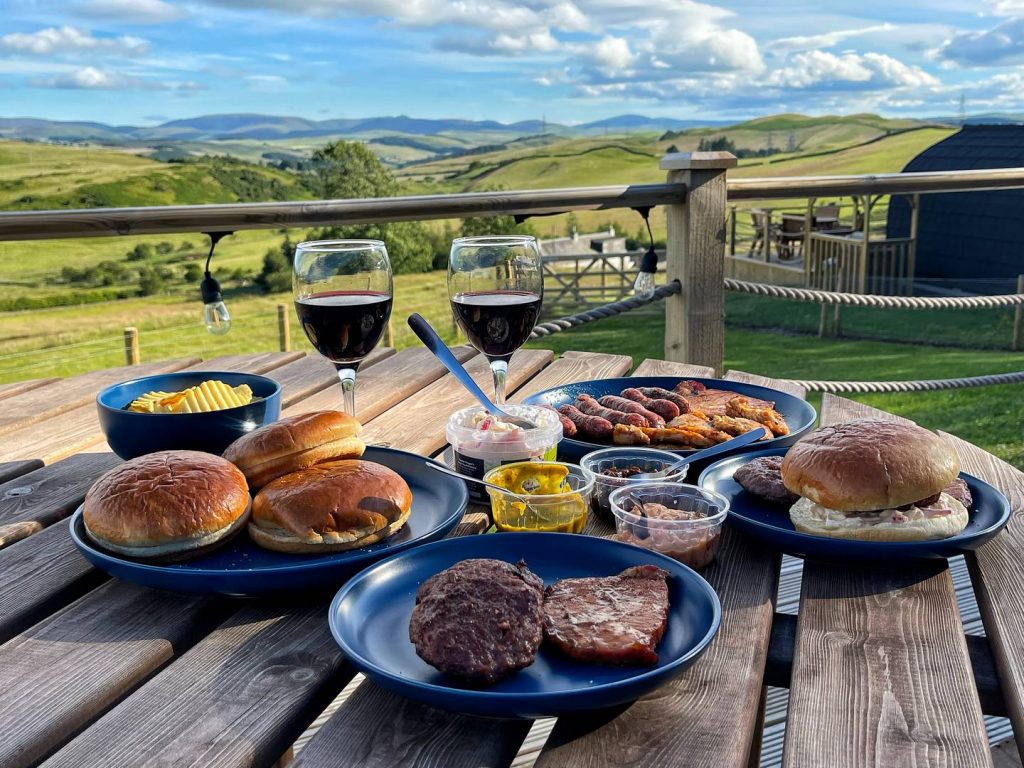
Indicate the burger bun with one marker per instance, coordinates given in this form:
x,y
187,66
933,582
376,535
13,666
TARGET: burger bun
x,y
295,443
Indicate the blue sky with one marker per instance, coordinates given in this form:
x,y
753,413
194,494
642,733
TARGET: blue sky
x,y
146,61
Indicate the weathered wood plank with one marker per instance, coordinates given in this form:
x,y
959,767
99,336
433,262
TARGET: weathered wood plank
x,y
17,387
384,385
651,367
578,366
76,429
40,576
259,363
310,374
418,423
239,697
764,381
709,715
378,728
12,469
881,674
60,674
996,571
38,499
67,394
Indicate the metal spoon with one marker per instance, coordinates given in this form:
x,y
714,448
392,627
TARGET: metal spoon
x,y
737,442
447,471
433,342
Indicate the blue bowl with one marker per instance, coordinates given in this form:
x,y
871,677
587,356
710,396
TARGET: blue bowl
x,y
133,434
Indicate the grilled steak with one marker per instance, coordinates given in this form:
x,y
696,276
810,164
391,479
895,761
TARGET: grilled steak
x,y
763,477
479,620
610,620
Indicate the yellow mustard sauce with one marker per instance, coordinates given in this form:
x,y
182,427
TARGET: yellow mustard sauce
x,y
557,508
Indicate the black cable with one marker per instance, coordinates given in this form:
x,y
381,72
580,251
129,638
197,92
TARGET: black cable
x,y
215,237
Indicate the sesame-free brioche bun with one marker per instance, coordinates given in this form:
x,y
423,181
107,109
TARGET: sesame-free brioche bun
x,y
330,507
809,517
869,464
295,443
167,505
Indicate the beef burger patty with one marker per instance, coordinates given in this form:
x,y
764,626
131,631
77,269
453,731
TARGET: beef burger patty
x,y
479,620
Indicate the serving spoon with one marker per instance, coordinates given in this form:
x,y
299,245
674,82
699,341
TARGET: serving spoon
x,y
438,467
434,343
706,453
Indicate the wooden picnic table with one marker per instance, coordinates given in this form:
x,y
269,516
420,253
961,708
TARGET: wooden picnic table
x,y
98,672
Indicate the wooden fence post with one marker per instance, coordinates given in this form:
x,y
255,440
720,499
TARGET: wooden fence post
x,y
695,255
1018,317
284,330
131,345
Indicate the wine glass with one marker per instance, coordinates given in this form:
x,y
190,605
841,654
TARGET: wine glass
x,y
343,299
496,285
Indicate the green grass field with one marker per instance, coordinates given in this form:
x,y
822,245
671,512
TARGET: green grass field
x,y
765,336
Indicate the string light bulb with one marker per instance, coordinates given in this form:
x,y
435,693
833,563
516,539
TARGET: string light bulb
x,y
643,286
215,311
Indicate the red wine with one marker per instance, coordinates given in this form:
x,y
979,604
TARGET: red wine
x,y
344,326
497,322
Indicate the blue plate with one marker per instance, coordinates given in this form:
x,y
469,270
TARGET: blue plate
x,y
240,568
989,513
369,618
799,414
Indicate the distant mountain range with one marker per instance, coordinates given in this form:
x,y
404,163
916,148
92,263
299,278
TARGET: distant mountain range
x,y
272,127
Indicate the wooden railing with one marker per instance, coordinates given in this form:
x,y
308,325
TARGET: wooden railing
x,y
694,196
841,263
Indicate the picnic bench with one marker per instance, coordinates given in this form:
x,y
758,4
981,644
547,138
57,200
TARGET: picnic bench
x,y
98,672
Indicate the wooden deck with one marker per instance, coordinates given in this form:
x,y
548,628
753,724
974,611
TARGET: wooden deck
x,y
97,672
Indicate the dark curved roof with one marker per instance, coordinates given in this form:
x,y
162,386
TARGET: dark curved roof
x,y
969,234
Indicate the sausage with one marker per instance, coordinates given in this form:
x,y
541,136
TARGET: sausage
x,y
593,427
658,393
592,407
568,428
629,406
661,406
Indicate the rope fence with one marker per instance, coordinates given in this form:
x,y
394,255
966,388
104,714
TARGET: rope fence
x,y
869,300
673,287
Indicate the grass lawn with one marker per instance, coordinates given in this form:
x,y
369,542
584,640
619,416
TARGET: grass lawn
x,y
990,417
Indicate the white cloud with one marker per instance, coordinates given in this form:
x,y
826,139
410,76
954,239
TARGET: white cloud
x,y
266,83
612,53
88,78
68,39
819,68
825,40
130,11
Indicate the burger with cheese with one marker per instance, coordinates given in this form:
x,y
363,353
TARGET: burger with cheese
x,y
877,481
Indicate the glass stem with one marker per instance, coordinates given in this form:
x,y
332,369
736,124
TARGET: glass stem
x,y
499,370
348,390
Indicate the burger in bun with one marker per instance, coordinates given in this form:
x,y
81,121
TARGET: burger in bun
x,y
875,480
330,507
169,505
295,443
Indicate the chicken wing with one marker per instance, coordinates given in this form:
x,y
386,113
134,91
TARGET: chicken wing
x,y
701,424
733,425
680,436
626,434
742,408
